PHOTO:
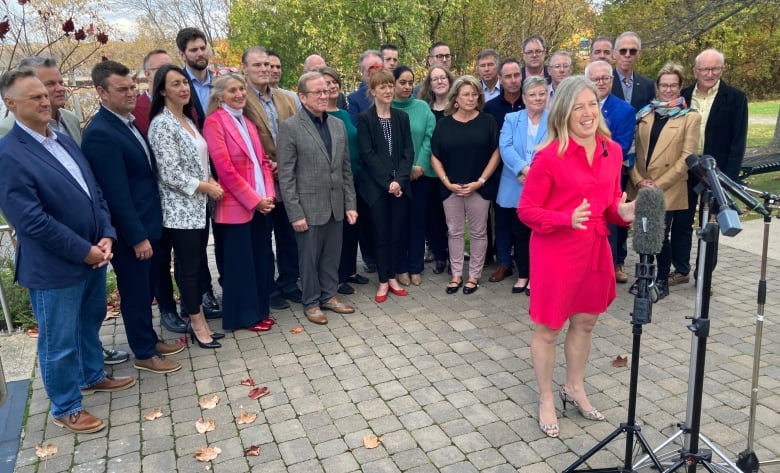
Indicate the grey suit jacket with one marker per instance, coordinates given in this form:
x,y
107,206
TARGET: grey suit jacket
x,y
69,119
313,186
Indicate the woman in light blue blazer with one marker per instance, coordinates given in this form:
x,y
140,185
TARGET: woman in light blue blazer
x,y
522,132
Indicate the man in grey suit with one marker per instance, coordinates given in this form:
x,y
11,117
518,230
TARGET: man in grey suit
x,y
316,183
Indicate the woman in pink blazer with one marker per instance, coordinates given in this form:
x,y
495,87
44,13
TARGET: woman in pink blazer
x,y
245,174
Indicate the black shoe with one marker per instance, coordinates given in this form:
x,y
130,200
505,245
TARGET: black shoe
x,y
471,289
211,307
278,302
662,288
172,322
439,266
453,286
346,289
634,289
357,279
294,296
193,338
217,335
369,267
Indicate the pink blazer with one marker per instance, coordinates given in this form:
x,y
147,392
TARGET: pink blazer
x,y
235,169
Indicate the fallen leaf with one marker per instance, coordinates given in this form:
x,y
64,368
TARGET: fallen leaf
x,y
205,425
206,454
153,414
248,382
209,401
45,451
297,330
112,314
32,332
246,418
620,362
259,392
371,441
253,451
181,341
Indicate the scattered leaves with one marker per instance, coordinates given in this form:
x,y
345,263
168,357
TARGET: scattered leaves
x,y
209,401
253,451
371,441
246,418
153,414
32,332
68,26
248,382
205,425
45,451
620,361
206,454
102,38
112,313
297,330
259,392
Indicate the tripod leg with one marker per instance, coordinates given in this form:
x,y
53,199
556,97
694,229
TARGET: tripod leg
x,y
649,451
595,449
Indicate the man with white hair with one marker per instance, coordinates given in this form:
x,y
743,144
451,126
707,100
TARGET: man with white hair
x,y
636,90
561,67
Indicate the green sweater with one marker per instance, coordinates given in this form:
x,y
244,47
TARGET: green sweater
x,y
343,115
422,123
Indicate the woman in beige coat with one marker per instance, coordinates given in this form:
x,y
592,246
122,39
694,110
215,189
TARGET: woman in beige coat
x,y
667,132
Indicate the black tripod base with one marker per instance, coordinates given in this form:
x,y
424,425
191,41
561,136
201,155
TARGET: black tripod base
x,y
748,462
631,431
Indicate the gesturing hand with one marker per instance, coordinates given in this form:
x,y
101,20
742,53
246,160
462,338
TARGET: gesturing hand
x,y
580,215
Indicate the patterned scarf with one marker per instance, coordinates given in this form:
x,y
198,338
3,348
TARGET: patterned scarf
x,y
674,109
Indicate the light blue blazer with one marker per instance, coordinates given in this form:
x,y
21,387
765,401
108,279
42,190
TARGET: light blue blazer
x,y
512,145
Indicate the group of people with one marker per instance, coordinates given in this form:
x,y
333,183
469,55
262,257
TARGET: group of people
x,y
533,159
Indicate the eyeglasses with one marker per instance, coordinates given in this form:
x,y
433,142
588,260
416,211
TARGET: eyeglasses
x,y
630,52
319,93
713,70
439,79
562,67
535,52
443,57
668,86
601,79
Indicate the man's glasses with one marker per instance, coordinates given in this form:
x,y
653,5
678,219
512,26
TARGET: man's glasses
x,y
318,93
443,57
629,51
601,79
535,52
713,70
561,67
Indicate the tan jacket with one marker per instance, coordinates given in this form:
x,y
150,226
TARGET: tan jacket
x,y
285,108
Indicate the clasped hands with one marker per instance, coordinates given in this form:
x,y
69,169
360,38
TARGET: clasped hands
x,y
464,190
395,189
99,255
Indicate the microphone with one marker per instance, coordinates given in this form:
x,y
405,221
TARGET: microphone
x,y
649,216
707,171
738,191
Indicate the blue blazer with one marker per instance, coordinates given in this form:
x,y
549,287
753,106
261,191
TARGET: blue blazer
x,y
643,90
512,143
128,179
55,220
621,121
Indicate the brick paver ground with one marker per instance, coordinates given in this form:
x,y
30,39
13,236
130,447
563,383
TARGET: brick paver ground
x,y
445,381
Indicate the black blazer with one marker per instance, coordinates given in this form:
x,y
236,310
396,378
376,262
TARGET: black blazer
x,y
725,135
128,179
379,168
643,93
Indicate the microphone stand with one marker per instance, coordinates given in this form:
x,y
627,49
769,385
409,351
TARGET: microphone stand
x,y
689,456
747,460
643,310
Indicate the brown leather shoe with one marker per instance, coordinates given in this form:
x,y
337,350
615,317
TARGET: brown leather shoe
x,y
166,349
158,364
110,384
416,279
337,306
501,273
403,279
620,274
81,422
314,314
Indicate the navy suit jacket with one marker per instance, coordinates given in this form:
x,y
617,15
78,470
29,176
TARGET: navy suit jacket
x,y
621,121
128,179
55,220
643,90
725,135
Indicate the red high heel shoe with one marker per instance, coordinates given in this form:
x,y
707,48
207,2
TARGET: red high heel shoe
x,y
398,292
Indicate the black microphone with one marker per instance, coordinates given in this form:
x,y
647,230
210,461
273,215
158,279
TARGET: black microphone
x,y
707,171
649,216
738,191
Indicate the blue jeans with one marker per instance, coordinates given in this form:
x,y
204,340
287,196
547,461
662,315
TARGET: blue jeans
x,y
69,349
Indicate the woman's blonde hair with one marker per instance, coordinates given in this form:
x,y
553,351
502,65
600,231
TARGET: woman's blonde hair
x,y
558,120
461,82
218,87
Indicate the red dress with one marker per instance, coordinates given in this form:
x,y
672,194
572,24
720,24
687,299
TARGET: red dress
x,y
571,270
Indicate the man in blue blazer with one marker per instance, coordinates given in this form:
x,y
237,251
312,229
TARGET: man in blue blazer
x,y
126,171
49,195
627,85
621,121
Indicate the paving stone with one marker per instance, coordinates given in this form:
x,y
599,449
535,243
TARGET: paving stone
x,y
295,451
431,438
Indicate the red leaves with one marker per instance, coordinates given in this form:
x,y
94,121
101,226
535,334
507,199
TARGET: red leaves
x,y
101,38
80,35
257,393
68,26
252,451
248,382
5,27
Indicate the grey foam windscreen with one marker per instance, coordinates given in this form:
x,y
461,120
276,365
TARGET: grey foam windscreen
x,y
649,221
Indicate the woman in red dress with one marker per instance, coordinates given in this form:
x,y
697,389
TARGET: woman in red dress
x,y
571,193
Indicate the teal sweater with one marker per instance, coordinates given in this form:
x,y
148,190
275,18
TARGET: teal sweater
x,y
422,123
343,115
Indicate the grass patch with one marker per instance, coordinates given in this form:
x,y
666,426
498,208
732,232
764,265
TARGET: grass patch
x,y
764,108
759,135
769,182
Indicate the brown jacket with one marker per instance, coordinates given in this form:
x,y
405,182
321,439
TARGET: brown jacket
x,y
285,108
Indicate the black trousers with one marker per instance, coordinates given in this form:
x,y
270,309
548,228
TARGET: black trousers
x,y
189,245
521,238
390,217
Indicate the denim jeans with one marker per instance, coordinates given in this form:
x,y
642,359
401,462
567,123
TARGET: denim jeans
x,y
69,349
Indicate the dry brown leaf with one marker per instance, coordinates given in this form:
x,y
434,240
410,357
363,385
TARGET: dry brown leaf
x,y
620,361
112,314
248,382
371,441
154,414
253,451
246,418
205,425
259,392
45,451
32,332
206,454
297,330
209,401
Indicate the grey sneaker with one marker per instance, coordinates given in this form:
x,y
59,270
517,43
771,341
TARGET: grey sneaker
x,y
114,357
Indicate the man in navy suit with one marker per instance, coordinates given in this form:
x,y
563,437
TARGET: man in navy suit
x,y
621,121
66,240
126,171
636,90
